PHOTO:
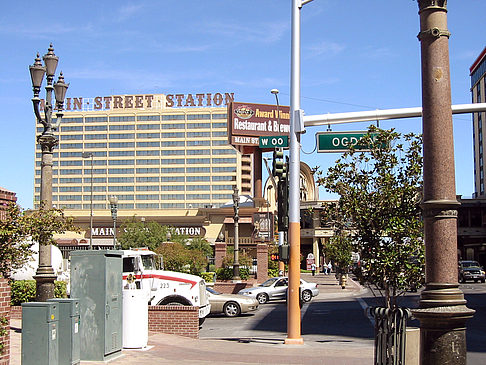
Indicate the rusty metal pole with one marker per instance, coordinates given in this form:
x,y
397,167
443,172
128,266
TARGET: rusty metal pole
x,y
442,310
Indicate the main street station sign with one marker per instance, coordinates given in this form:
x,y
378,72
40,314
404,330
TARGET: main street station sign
x,y
247,122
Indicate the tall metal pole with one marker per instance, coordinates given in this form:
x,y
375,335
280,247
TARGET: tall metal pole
x,y
45,275
442,311
236,207
293,309
87,155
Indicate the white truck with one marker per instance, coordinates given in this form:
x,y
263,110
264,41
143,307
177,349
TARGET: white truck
x,y
141,271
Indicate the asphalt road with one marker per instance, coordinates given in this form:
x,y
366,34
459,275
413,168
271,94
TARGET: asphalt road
x,y
340,321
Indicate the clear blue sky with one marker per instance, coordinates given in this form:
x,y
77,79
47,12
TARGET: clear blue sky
x,y
356,55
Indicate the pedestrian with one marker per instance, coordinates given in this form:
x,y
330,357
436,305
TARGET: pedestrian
x,y
324,268
329,268
313,268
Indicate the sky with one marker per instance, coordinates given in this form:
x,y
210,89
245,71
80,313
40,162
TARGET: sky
x,y
356,56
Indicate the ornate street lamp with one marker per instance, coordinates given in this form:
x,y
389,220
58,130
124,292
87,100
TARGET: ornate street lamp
x,y
114,209
45,274
90,155
236,207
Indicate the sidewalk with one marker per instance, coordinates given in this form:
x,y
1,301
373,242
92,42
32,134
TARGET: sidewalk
x,y
172,349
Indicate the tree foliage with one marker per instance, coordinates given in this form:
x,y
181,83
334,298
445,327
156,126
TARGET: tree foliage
x,y
339,251
137,233
18,225
379,192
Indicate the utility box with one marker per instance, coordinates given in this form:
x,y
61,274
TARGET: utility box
x,y
40,336
96,279
68,330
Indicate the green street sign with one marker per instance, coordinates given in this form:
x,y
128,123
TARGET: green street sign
x,y
340,141
273,141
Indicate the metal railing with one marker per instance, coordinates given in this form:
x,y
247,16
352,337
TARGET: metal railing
x,y
390,334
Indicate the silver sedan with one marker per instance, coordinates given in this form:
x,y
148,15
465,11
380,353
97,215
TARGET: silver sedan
x,y
231,305
276,288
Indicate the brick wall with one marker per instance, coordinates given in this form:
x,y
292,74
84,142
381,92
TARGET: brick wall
x,y
262,259
5,312
176,320
228,287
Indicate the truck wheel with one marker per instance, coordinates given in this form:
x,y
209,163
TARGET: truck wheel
x,y
231,309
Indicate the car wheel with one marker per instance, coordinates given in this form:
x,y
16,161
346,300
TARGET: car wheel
x,y
306,296
262,298
231,309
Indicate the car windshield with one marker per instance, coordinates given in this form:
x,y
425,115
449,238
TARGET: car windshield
x,y
470,264
212,291
269,282
148,262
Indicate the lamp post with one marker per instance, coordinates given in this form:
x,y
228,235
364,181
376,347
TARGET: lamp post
x,y
90,155
45,274
114,209
236,208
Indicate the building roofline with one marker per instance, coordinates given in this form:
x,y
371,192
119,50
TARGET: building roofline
x,y
477,62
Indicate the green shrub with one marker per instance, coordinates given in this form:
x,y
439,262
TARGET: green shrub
x,y
226,273
25,290
273,272
208,277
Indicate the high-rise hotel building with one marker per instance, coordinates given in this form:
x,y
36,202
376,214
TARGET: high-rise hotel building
x,y
478,90
154,152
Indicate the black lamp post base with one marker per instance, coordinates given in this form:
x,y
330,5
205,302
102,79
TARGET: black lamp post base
x,y
44,287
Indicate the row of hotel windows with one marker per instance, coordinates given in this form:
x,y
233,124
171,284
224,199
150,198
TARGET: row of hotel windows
x,y
205,143
80,137
140,118
79,189
205,197
148,179
143,170
138,206
167,161
131,127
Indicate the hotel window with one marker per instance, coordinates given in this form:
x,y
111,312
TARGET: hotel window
x,y
125,197
197,152
95,119
87,162
148,117
122,127
70,128
219,143
147,205
148,144
174,117
222,187
126,206
197,187
96,180
95,136
147,196
197,196
172,170
71,154
222,196
148,135
172,161
72,120
70,180
198,125
96,128
69,189
122,136
198,134
148,161
172,179
220,125
196,161
224,160
72,163
173,144
219,134
71,206
120,188
69,197
148,126
173,152
70,171
172,134
173,126
224,178
120,171
95,188
172,188
148,188
197,143
197,178
198,116
144,179
148,153
172,196
172,206
95,197
95,145
69,146
122,144
130,118
220,116
147,170
121,153
121,162
224,169
224,152
194,170
120,179
95,171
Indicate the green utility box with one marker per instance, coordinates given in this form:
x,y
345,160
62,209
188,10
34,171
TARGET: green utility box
x,y
40,335
68,330
96,279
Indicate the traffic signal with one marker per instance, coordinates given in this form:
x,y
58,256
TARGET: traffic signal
x,y
278,162
283,200
274,257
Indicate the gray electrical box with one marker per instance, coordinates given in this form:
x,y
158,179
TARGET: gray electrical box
x,y
40,336
96,279
68,330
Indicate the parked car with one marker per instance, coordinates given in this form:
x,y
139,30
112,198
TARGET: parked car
x,y
231,305
276,288
470,270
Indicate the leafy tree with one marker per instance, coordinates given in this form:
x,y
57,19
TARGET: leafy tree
x,y
339,251
379,193
18,225
137,233
201,244
178,257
